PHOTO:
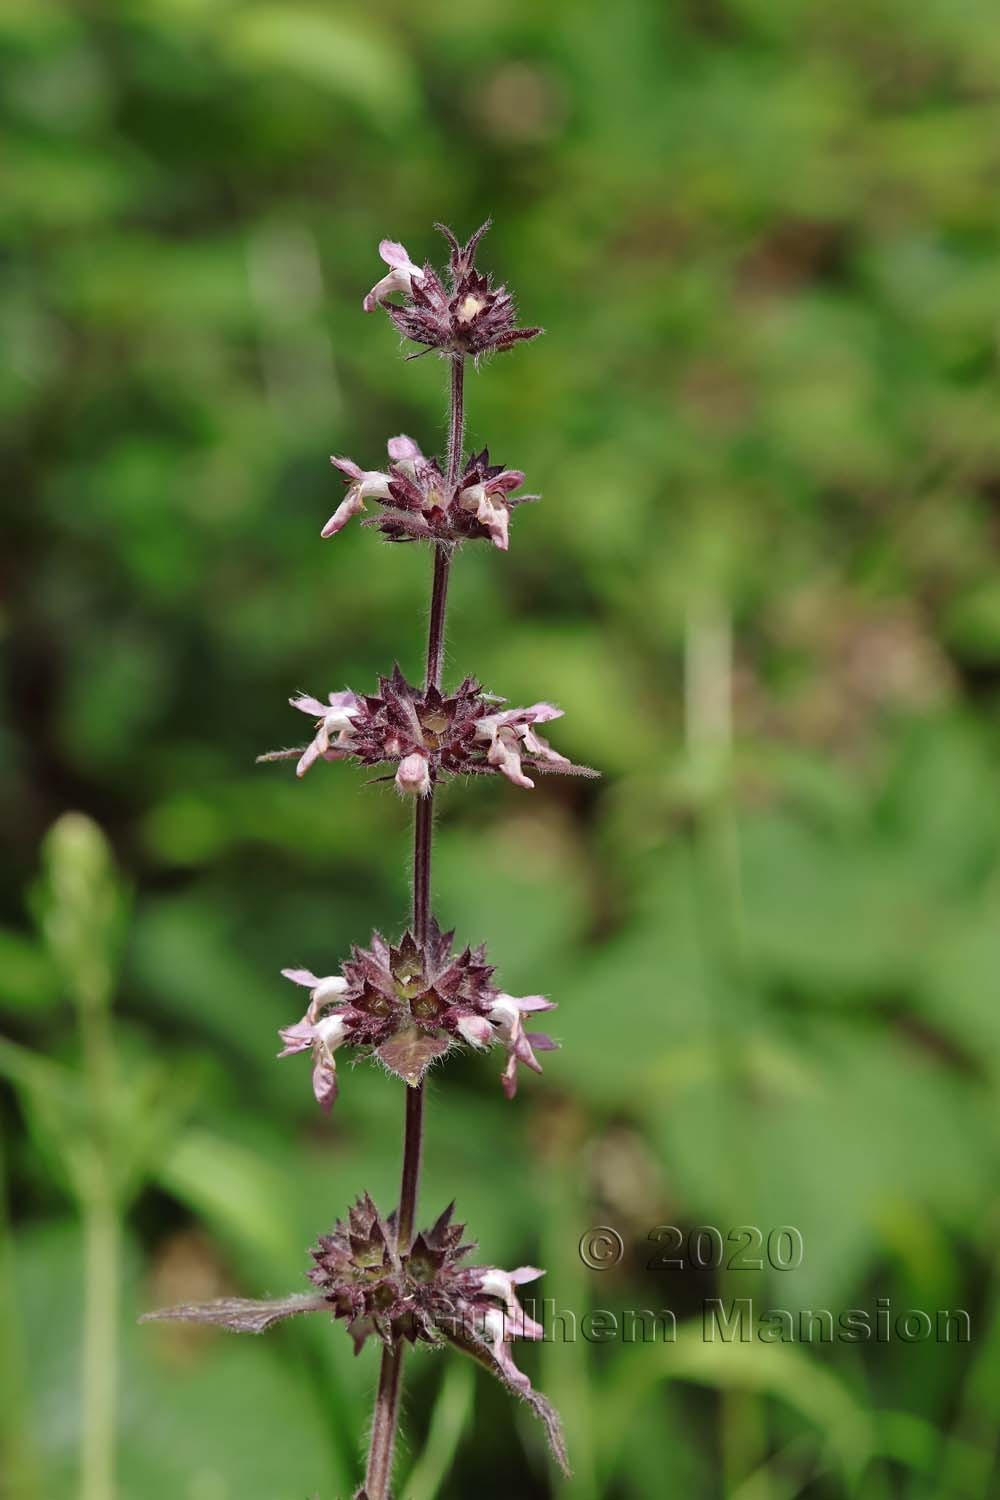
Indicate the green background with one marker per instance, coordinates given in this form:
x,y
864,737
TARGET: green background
x,y
763,238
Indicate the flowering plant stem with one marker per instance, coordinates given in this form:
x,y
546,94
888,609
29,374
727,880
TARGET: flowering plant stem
x,y
383,1433
411,1002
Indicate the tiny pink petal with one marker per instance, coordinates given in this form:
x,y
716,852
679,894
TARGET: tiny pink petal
x,y
538,713
324,1081
297,1038
510,479
523,1053
514,1375
345,510
396,255
309,705
511,768
532,1002
309,757
509,1077
345,699
347,466
498,530
542,1042
301,976
527,1328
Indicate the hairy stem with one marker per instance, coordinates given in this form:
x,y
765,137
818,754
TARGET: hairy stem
x,y
383,1436
456,420
435,629
423,832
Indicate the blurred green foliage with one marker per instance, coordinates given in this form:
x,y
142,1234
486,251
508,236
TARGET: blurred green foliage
x,y
764,238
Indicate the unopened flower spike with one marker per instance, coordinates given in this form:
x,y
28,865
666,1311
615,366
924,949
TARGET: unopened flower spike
x,y
429,735
420,1293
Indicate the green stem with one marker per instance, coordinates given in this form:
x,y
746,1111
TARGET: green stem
x,y
102,1242
102,1294
23,1475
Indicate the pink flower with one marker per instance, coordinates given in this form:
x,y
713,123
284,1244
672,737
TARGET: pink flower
x,y
506,1015
501,1326
511,735
402,275
320,1031
488,503
334,722
363,484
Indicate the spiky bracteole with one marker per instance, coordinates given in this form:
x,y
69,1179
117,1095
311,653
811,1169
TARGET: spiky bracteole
x,y
409,1005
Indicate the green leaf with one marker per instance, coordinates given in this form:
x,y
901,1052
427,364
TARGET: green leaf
x,y
449,1418
777,1370
28,978
242,1195
344,54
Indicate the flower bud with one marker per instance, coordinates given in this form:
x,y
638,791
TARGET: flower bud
x,y
413,776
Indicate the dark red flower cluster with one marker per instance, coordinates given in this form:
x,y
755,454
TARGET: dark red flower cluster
x,y
410,1006
429,735
419,504
469,315
424,1294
